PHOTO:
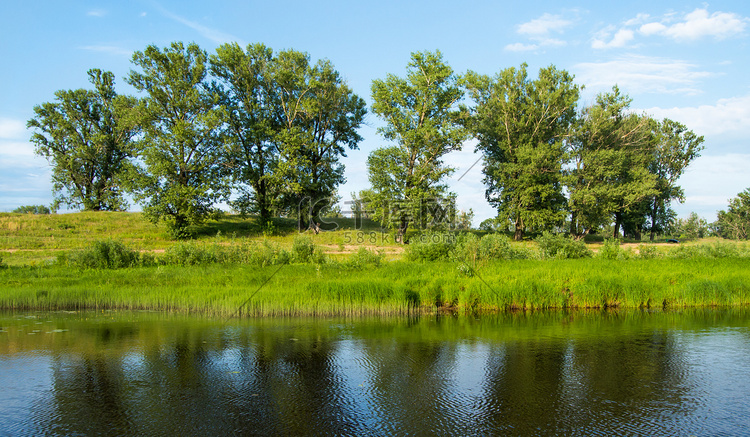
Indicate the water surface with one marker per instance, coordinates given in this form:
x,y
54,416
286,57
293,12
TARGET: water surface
x,y
553,373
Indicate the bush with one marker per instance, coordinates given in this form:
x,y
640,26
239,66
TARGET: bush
x,y
647,252
561,246
304,250
430,247
190,253
103,255
32,209
365,258
466,248
497,246
1,261
611,250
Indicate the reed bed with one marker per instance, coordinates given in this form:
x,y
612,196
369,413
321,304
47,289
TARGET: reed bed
x,y
391,288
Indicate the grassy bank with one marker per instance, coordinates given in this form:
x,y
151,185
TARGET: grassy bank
x,y
237,267
393,288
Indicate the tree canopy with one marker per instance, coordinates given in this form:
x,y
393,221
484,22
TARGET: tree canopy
x,y
87,137
183,174
422,117
522,125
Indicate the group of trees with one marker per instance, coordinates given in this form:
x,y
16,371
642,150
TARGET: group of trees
x,y
545,161
271,129
270,126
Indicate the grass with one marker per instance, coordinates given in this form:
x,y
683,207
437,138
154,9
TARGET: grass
x,y
120,261
393,288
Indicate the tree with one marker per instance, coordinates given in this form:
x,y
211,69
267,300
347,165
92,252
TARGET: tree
x,y
87,137
735,222
675,149
609,176
183,172
318,115
247,92
522,125
421,115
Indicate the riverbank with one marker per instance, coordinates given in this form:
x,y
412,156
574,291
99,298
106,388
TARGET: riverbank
x,y
391,288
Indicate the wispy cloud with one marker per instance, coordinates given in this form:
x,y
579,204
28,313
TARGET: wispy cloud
x,y
606,40
686,27
642,74
212,34
727,116
96,13
698,24
542,32
112,50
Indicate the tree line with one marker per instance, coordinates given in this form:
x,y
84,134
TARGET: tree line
x,y
270,129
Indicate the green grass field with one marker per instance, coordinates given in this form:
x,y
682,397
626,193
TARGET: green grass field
x,y
236,268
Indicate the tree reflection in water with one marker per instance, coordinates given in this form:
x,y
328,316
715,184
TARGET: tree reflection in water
x,y
596,373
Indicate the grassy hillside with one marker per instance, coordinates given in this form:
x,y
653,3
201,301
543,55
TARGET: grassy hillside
x,y
27,239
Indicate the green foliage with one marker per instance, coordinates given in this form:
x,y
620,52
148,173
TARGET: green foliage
x,y
611,152
33,209
86,136
558,246
421,117
365,258
647,252
430,247
611,250
693,227
521,125
734,223
304,250
103,255
183,172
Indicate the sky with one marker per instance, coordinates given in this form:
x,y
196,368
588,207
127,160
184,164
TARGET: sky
x,y
683,60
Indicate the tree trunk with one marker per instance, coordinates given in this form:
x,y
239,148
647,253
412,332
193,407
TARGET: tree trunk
x,y
518,235
618,220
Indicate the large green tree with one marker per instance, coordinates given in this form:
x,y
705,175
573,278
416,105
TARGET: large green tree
x,y
422,117
247,91
676,147
87,137
522,126
318,116
609,176
183,173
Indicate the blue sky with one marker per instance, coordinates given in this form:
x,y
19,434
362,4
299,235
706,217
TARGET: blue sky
x,y
684,60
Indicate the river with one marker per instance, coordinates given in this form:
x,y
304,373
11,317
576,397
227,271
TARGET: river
x,y
680,372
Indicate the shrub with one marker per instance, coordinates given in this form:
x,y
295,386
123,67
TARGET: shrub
x,y
611,250
466,248
497,246
561,246
430,247
103,255
647,252
304,250
32,209
190,253
365,258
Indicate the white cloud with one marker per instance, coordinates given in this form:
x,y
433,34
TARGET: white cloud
x,y
214,35
112,50
539,31
620,39
642,74
96,13
521,47
652,28
730,115
544,25
698,24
